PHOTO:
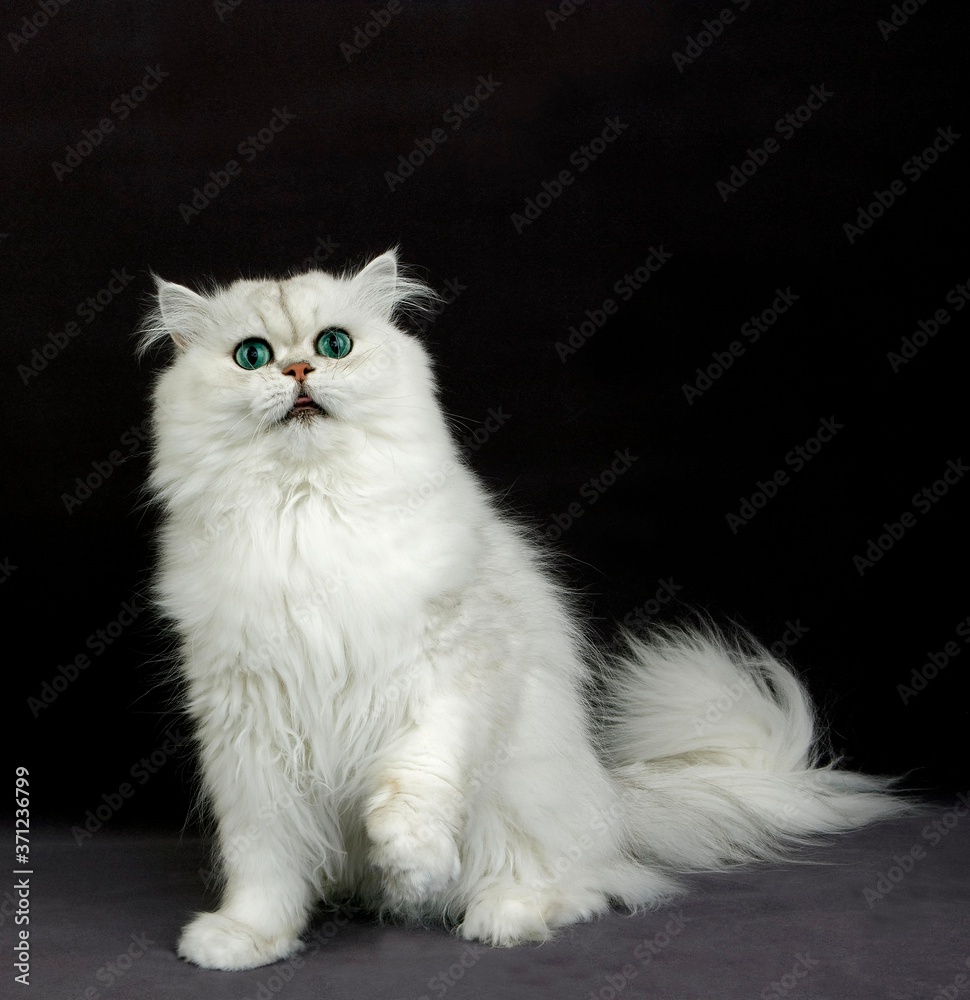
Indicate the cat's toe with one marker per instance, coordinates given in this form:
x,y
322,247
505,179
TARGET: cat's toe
x,y
416,859
215,941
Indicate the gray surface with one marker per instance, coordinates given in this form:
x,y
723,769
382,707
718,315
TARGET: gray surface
x,y
740,933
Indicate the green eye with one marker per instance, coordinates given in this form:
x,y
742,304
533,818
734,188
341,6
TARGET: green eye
x,y
334,343
253,354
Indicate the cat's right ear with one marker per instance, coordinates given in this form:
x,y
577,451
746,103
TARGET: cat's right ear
x,y
182,311
179,314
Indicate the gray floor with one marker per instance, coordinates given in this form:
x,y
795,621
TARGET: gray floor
x,y
104,917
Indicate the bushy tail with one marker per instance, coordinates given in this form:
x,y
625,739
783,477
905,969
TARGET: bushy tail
x,y
715,745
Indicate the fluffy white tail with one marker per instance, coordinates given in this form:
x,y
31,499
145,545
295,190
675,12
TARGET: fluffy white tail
x,y
715,745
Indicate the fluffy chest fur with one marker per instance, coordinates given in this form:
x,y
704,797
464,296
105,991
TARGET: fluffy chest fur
x,y
322,619
279,574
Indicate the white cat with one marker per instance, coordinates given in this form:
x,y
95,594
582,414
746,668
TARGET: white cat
x,y
391,692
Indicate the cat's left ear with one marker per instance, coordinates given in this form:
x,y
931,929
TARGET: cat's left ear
x,y
376,284
384,288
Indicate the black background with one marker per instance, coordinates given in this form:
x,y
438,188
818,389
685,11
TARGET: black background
x,y
323,180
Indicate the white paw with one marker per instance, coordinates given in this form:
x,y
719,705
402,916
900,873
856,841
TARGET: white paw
x,y
417,856
505,920
214,941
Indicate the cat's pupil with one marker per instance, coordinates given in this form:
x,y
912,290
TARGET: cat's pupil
x,y
252,355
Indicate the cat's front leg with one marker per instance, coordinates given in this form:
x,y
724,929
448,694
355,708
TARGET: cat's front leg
x,y
268,892
416,812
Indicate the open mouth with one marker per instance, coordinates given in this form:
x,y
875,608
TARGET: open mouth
x,y
304,406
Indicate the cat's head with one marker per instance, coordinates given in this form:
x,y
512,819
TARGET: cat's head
x,y
312,364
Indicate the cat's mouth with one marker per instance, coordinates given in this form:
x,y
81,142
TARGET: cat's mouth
x,y
304,407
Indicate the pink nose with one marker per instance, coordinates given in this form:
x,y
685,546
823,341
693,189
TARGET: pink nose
x,y
299,370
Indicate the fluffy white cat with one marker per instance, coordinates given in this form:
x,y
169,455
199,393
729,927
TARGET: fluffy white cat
x,y
391,692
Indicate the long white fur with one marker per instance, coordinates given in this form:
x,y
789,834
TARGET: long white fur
x,y
390,690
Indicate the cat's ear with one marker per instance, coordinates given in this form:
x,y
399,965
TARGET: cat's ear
x,y
179,314
383,287
375,285
183,312
381,270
